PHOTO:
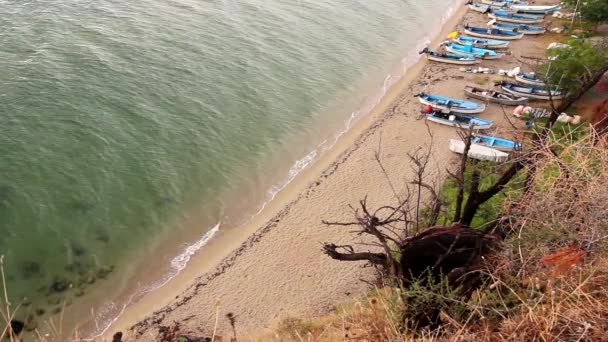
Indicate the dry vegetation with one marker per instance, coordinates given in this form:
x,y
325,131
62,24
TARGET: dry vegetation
x,y
549,282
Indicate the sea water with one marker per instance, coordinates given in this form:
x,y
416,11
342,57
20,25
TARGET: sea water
x,y
121,119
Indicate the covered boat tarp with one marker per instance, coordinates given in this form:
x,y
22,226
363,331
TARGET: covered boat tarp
x,y
478,152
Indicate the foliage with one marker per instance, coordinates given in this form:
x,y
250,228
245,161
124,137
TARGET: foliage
x,y
595,11
571,69
488,211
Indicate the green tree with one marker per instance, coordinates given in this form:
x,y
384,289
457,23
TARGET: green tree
x,y
593,11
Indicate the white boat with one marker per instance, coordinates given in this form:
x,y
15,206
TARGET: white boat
x,y
535,9
478,152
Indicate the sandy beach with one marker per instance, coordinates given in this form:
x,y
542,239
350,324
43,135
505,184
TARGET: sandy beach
x,y
274,267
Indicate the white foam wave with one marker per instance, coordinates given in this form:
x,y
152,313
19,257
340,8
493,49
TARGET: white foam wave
x,y
180,261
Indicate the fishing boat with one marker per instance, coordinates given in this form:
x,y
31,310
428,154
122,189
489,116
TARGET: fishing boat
x,y
484,8
482,43
519,28
494,96
469,49
451,58
449,105
492,33
503,3
478,152
496,143
534,9
515,17
457,120
530,91
529,78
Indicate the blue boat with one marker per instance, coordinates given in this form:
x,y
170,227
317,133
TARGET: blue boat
x,y
519,28
450,58
481,42
496,143
529,78
502,3
469,49
459,120
492,33
484,8
515,18
530,91
449,105
534,9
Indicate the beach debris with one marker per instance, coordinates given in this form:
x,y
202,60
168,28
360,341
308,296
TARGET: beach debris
x,y
510,73
558,29
556,45
479,70
117,337
571,119
535,113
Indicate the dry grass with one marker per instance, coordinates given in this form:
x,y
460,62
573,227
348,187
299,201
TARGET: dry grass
x,y
550,283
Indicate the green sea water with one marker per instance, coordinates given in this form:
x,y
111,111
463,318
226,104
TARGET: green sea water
x,y
118,117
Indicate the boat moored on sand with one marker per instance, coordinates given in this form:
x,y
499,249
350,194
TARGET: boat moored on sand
x,y
450,58
531,91
519,28
494,96
478,152
496,143
459,120
449,105
482,43
529,78
515,18
469,49
492,33
534,9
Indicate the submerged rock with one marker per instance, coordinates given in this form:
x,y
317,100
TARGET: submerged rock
x,y
103,272
17,326
30,323
40,311
30,269
60,284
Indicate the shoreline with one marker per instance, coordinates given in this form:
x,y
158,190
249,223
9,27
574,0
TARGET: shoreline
x,y
228,249
269,216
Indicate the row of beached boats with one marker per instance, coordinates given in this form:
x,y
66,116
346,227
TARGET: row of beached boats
x,y
460,113
510,20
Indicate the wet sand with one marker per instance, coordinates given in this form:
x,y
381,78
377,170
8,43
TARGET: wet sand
x,y
273,267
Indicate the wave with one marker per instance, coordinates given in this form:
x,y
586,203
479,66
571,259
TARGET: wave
x,y
110,313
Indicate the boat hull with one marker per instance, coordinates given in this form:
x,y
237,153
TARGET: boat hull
x,y
492,44
447,109
524,80
526,32
470,92
514,20
478,152
483,124
533,95
535,9
496,56
452,61
493,36
484,8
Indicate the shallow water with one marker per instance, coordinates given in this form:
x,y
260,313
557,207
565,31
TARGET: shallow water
x,y
119,119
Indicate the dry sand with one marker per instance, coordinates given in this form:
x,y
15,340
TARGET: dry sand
x,y
276,268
